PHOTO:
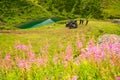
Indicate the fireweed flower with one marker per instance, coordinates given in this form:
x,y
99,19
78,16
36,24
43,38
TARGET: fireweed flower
x,y
116,47
104,46
91,47
117,78
7,57
92,52
68,49
78,44
31,57
77,60
84,54
99,54
21,47
111,61
102,55
42,61
91,43
68,53
68,57
55,59
44,50
7,62
23,64
74,77
31,54
82,51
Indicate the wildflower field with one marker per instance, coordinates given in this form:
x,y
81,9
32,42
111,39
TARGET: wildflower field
x,y
59,53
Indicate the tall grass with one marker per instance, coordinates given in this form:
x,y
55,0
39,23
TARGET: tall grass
x,y
79,60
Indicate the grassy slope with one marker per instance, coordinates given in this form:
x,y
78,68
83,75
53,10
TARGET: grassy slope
x,y
39,37
112,8
12,13
15,12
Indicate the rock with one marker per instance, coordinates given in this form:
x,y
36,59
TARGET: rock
x,y
116,21
109,38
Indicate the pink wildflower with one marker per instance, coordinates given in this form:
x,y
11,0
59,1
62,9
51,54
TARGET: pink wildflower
x,y
91,47
74,77
44,50
111,61
21,47
116,47
65,63
7,57
41,61
82,51
77,61
97,57
23,64
78,44
91,43
30,54
102,55
31,57
68,57
55,58
68,49
117,78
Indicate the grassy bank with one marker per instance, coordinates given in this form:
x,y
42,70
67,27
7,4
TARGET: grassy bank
x,y
58,32
59,53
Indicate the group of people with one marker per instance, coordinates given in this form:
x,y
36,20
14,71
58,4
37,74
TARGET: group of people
x,y
82,22
73,23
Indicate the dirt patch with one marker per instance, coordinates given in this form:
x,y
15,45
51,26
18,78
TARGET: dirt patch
x,y
22,32
12,32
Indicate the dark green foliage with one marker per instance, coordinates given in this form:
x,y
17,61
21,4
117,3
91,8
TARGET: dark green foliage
x,y
14,12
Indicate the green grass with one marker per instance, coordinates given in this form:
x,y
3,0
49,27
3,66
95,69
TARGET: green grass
x,y
44,38
58,33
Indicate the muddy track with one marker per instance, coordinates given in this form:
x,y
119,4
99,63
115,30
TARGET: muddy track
x,y
22,32
12,32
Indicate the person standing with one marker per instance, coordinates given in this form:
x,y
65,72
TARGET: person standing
x,y
86,22
80,21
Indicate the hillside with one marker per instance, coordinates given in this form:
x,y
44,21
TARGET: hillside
x,y
112,8
13,13
90,51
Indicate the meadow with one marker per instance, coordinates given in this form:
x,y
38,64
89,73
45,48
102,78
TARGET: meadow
x,y
59,53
